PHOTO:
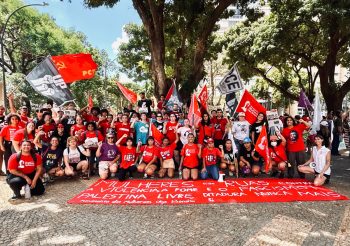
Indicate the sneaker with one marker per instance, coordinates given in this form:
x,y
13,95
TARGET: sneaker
x,y
145,176
230,174
15,199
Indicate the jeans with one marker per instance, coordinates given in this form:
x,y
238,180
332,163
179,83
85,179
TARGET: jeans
x,y
16,183
212,171
335,144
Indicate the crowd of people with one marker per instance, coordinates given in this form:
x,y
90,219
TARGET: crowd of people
x,y
93,141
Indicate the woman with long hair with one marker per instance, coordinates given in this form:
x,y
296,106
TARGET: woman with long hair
x,y
20,135
205,128
149,157
229,157
190,155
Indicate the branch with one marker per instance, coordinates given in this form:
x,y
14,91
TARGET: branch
x,y
297,70
303,55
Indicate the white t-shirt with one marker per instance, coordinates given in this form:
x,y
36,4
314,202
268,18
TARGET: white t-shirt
x,y
184,131
74,155
240,129
319,157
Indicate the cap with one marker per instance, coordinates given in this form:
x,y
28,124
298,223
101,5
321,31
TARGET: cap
x,y
60,126
24,107
210,140
324,123
110,135
247,140
241,114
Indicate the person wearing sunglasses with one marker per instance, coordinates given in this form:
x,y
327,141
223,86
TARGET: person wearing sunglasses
x,y
108,154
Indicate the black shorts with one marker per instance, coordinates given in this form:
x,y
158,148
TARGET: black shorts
x,y
189,168
74,165
179,146
328,177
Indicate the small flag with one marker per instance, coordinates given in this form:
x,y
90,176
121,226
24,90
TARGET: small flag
x,y
158,136
304,101
250,106
90,102
203,97
194,113
75,67
172,97
231,82
262,147
129,94
46,80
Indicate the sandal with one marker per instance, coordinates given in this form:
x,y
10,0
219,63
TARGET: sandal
x,y
85,176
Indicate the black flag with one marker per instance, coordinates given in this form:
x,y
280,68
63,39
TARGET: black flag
x,y
232,103
46,80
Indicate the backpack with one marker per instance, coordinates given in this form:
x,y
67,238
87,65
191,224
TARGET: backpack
x,y
32,153
82,156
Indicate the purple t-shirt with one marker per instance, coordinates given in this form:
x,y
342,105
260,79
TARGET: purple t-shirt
x,y
108,152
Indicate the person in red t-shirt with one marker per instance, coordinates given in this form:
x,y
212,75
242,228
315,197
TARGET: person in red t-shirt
x,y
278,156
105,126
170,131
166,152
122,128
25,168
293,133
93,116
206,129
219,128
190,154
160,103
210,156
48,127
23,134
78,129
6,136
149,160
128,157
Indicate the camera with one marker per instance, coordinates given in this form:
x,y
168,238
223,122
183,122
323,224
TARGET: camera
x,y
312,165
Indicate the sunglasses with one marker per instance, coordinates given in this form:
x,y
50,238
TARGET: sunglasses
x,y
110,137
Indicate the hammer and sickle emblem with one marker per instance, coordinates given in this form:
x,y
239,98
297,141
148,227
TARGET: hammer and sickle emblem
x,y
60,65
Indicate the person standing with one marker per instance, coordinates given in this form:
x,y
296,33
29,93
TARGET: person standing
x,y
337,132
144,105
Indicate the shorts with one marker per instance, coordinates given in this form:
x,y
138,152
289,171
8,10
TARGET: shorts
x,y
74,165
328,177
103,166
169,163
190,168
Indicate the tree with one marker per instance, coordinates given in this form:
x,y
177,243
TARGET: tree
x,y
309,37
190,23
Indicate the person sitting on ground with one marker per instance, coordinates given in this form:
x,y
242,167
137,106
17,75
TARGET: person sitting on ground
x,y
150,153
210,156
190,155
25,168
249,159
229,157
277,149
52,159
74,158
108,154
167,164
128,157
321,159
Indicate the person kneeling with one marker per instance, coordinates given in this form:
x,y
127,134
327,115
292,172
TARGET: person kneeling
x,y
249,159
149,157
75,158
321,161
25,168
167,164
128,158
190,154
278,155
209,155
108,154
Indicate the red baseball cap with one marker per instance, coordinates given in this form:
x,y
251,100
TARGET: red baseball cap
x,y
60,126
210,140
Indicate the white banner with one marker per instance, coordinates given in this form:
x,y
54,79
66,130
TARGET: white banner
x,y
231,82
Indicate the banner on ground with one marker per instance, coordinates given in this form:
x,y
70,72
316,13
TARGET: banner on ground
x,y
172,97
231,82
75,67
203,97
262,147
194,112
250,106
46,80
129,94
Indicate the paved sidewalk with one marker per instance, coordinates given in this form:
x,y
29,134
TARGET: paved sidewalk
x,y
51,221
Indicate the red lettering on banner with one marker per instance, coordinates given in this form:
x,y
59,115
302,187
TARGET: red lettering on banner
x,y
162,192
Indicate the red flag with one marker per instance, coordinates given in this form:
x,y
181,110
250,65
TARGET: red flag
x,y
170,92
129,94
194,113
158,136
73,67
261,146
90,102
250,106
203,97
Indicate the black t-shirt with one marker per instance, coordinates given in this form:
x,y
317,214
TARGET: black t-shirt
x,y
68,122
2,121
51,158
256,128
159,125
144,105
62,140
247,154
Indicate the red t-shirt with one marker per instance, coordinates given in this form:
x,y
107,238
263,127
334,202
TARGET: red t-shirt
x,y
122,129
278,153
190,153
26,164
166,153
77,130
19,136
205,131
8,132
148,153
128,156
171,131
104,127
160,105
90,118
48,129
294,137
210,156
219,127
25,119
92,134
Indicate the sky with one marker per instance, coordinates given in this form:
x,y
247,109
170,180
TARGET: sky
x,y
102,26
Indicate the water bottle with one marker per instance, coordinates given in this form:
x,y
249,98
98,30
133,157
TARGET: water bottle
x,y
27,194
145,176
180,175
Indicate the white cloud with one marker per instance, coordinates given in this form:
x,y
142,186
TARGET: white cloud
x,y
120,40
